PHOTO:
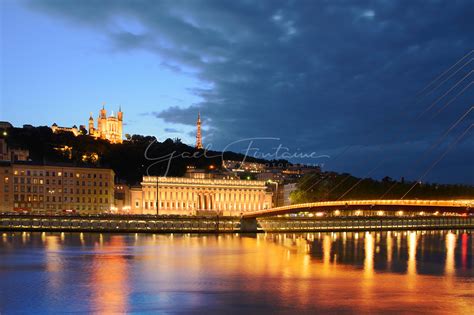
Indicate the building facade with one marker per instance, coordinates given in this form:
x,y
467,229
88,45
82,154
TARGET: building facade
x,y
191,196
51,189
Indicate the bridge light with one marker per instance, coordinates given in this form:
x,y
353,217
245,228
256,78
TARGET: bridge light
x,y
422,213
337,212
319,214
358,212
400,212
380,213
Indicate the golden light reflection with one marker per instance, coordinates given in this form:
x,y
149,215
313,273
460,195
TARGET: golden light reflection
x,y
369,255
389,249
326,253
54,264
110,278
412,242
450,250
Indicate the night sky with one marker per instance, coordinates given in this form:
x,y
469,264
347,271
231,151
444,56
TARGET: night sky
x,y
337,78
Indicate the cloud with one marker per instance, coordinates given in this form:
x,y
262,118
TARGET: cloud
x,y
173,130
319,75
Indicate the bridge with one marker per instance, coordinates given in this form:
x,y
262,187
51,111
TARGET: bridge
x,y
407,206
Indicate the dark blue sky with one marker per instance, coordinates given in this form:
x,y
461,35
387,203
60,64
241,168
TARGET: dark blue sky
x,y
322,76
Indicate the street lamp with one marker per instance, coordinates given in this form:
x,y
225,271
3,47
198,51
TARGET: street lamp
x,y
51,192
157,194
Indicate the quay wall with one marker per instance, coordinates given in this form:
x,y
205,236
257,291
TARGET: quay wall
x,y
194,224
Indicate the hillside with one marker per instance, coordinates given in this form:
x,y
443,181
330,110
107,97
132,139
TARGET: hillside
x,y
127,159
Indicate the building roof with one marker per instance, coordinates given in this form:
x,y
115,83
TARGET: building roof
x,y
57,164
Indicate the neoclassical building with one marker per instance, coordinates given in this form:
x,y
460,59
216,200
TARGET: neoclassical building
x,y
190,196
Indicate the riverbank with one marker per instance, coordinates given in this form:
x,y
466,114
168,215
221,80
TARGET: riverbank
x,y
169,224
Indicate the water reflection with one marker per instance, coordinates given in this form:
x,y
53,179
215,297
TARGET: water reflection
x,y
109,276
450,247
350,271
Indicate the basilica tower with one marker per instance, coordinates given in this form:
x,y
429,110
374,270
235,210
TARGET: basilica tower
x,y
91,125
102,123
120,122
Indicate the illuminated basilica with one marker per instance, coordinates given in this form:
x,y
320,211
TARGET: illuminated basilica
x,y
108,128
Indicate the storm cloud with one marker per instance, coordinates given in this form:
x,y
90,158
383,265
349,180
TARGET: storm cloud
x,y
322,76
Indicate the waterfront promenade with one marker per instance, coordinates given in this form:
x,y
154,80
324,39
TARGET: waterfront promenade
x,y
218,224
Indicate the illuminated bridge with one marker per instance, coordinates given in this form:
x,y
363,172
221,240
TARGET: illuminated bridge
x,y
362,215
358,207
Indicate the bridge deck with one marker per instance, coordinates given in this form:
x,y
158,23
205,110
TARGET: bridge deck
x,y
452,205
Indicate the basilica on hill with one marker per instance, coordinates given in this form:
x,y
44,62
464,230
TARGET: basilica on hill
x,y
108,128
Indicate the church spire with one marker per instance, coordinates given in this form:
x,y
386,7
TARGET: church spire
x,y
198,132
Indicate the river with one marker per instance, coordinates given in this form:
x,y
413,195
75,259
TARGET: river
x,y
418,271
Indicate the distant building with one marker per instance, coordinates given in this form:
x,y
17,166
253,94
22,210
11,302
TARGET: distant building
x,y
272,174
50,189
191,196
5,125
12,154
72,129
239,166
287,190
108,128
287,174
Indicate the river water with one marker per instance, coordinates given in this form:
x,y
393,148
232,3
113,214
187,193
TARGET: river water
x,y
420,271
